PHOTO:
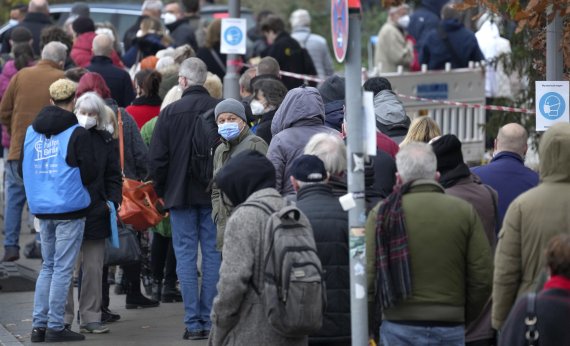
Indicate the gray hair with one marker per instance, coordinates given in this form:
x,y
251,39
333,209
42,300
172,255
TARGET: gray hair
x,y
54,51
330,149
102,45
194,70
90,102
152,5
416,161
300,19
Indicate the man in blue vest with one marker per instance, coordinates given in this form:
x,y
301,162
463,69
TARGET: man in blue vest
x,y
57,163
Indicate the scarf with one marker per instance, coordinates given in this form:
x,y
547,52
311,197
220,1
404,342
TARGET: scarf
x,y
394,280
558,282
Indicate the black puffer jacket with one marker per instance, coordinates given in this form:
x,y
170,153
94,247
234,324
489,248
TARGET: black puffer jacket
x,y
107,186
330,227
170,149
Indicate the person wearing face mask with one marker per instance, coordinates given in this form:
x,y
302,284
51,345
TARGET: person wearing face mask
x,y
179,26
268,95
92,114
236,138
392,48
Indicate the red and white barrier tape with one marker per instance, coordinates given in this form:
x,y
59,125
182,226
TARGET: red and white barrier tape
x,y
434,101
470,105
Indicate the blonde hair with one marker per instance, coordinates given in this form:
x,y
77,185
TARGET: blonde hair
x,y
214,85
422,129
111,118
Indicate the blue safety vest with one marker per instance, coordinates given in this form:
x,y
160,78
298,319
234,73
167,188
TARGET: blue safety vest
x,y
52,186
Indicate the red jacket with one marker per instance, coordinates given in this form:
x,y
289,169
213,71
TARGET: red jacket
x,y
81,52
143,113
386,144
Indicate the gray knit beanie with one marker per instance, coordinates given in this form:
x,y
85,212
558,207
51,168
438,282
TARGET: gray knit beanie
x,y
230,106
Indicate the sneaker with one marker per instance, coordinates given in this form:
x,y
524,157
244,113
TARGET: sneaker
x,y
38,334
11,254
63,335
107,316
194,335
94,328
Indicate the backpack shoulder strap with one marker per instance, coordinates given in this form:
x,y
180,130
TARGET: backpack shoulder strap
x,y
531,320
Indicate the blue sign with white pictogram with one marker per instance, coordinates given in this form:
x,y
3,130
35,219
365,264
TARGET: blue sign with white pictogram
x,y
233,35
552,98
552,105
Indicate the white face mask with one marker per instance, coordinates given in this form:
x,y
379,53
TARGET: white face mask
x,y
86,121
256,107
169,18
404,21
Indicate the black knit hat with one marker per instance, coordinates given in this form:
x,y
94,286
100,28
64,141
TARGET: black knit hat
x,y
244,174
308,169
82,25
20,34
447,149
333,89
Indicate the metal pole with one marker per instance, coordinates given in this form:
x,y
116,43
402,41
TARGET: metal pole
x,y
355,155
231,79
554,62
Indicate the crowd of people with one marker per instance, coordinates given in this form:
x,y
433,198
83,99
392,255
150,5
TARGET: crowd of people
x,y
449,248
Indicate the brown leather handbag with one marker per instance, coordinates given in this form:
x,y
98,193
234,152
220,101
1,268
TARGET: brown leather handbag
x,y
141,207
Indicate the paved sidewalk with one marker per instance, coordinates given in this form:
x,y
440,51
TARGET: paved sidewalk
x,y
154,326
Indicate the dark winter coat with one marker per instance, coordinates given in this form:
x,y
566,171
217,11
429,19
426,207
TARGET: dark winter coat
x,y
131,33
182,33
507,174
425,19
107,186
289,54
171,147
136,152
53,120
142,47
207,56
334,114
435,52
35,22
552,311
263,129
300,116
118,80
330,227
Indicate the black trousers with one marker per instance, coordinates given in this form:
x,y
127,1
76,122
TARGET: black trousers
x,y
162,259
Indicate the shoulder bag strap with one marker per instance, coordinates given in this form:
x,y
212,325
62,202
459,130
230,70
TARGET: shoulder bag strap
x,y
121,141
443,35
218,60
495,206
531,333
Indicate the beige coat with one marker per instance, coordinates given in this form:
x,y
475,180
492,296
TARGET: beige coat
x,y
532,220
27,94
392,49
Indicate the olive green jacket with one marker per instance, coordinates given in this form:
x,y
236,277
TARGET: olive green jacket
x,y
450,257
220,209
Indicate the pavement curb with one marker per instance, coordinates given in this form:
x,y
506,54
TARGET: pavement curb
x,y
7,339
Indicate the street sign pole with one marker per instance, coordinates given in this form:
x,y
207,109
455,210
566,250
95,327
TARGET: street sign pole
x,y
356,157
231,79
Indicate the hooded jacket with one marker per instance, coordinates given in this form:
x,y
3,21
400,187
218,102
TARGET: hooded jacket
x,y
300,116
424,19
82,51
53,120
391,117
435,52
532,220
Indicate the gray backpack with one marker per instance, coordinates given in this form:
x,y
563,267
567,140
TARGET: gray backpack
x,y
292,283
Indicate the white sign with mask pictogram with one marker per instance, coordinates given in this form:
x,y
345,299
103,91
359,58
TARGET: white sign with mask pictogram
x,y
551,103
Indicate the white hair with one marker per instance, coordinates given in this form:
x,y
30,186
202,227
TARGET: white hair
x,y
90,102
194,70
54,51
174,94
164,63
152,5
300,18
416,161
330,149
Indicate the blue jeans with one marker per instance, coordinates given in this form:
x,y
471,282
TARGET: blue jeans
x,y
14,198
401,334
61,241
191,226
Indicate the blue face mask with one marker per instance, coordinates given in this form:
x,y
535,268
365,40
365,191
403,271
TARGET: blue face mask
x,y
229,131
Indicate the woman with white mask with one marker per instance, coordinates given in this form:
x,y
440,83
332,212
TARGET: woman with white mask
x,y
105,193
268,95
236,137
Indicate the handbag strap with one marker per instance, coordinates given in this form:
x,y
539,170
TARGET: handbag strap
x,y
531,333
121,141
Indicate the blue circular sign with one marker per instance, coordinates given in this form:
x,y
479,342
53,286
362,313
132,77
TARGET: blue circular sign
x,y
233,35
552,105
